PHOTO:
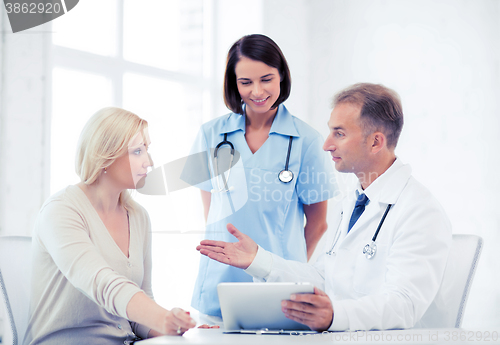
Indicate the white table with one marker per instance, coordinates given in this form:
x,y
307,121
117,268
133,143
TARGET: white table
x,y
411,336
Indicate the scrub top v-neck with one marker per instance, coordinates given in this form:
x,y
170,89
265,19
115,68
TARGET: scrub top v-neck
x,y
258,203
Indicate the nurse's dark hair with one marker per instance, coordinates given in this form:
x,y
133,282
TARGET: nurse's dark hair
x,y
381,109
259,48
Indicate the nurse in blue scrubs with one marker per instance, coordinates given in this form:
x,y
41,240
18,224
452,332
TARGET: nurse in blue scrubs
x,y
251,195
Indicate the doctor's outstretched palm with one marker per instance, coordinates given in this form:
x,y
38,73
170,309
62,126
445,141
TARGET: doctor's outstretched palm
x,y
238,254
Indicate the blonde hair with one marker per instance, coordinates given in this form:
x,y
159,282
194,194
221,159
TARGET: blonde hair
x,y
104,138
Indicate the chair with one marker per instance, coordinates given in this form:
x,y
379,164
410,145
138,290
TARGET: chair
x,y
15,275
447,309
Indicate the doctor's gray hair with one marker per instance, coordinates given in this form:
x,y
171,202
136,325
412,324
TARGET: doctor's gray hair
x,y
381,109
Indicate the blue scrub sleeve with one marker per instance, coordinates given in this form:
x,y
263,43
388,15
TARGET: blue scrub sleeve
x,y
196,170
316,181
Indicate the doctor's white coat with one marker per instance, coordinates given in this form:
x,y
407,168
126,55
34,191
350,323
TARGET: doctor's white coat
x,y
394,288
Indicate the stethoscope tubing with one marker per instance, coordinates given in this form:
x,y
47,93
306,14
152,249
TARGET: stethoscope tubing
x,y
381,222
227,142
288,153
374,238
224,142
216,163
337,235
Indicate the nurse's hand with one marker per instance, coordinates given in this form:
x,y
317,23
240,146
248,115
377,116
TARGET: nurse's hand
x,y
314,310
239,254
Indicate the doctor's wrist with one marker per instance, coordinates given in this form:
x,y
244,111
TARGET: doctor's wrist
x,y
261,265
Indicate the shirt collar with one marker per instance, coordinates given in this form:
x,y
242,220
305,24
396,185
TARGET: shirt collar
x,y
232,123
388,186
283,123
360,191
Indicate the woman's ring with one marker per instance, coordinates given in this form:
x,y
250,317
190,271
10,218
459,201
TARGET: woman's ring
x,y
179,330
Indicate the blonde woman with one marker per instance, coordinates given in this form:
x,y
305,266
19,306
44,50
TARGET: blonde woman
x,y
91,280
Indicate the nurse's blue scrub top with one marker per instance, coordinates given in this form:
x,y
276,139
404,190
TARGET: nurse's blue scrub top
x,y
259,204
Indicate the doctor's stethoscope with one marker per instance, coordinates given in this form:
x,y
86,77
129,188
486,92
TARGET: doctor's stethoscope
x,y
370,249
284,175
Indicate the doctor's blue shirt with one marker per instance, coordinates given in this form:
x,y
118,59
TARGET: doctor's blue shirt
x,y
258,203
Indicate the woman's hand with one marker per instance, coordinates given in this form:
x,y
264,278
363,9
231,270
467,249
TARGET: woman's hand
x,y
239,254
147,312
177,322
177,331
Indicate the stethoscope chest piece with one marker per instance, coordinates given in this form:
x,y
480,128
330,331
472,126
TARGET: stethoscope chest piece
x,y
370,250
285,176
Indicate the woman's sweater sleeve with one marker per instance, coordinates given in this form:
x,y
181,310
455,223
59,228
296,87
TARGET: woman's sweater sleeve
x,y
63,232
141,330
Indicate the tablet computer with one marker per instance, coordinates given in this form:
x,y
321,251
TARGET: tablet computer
x,y
257,306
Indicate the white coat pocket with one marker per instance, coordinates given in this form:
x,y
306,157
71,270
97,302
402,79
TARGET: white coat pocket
x,y
369,274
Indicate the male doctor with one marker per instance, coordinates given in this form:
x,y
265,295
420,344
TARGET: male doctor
x,y
386,250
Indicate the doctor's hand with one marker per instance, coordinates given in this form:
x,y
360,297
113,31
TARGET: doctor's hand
x,y
314,310
239,254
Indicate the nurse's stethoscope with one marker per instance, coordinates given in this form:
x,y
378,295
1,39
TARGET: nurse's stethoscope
x,y
284,175
370,249
216,166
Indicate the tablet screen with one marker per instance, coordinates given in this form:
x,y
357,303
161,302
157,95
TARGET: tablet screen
x,y
257,306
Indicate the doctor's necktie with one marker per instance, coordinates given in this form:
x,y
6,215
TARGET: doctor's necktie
x,y
359,208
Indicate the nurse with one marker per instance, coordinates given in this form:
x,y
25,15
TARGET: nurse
x,y
277,173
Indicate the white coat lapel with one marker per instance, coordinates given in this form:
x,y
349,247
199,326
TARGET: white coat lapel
x,y
380,195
